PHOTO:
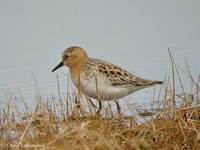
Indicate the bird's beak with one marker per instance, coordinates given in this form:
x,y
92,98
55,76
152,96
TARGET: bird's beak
x,y
58,66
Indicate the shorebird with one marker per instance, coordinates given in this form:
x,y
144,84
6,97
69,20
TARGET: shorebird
x,y
100,79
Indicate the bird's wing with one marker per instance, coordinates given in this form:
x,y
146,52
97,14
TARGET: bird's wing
x,y
118,76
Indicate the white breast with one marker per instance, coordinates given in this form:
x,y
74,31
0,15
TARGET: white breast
x,y
104,91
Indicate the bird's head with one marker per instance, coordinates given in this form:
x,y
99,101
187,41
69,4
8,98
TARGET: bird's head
x,y
72,57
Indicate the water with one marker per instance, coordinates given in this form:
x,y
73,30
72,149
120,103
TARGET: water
x,y
133,35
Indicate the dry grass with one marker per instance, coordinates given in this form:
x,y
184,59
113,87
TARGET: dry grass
x,y
66,124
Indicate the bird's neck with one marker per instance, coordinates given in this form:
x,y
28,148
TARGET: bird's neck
x,y
75,71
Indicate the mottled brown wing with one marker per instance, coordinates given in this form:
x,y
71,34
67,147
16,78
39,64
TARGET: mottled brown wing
x,y
119,76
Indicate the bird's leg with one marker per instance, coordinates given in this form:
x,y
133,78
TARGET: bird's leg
x,y
98,97
100,107
118,106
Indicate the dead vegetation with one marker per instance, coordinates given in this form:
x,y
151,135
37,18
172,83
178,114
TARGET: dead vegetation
x,y
65,124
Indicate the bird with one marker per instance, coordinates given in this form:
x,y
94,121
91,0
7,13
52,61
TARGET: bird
x,y
100,79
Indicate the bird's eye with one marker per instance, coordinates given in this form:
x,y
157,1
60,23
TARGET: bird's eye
x,y
66,56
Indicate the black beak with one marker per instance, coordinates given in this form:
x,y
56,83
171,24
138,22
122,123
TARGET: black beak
x,y
58,66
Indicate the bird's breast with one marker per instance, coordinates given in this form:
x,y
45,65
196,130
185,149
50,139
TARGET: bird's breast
x,y
102,90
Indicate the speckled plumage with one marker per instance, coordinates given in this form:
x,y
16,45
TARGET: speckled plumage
x,y
100,79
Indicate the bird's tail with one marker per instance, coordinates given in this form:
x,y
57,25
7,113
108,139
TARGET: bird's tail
x,y
157,82
152,83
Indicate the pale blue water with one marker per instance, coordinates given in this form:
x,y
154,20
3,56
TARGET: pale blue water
x,y
134,35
